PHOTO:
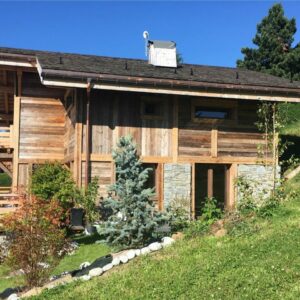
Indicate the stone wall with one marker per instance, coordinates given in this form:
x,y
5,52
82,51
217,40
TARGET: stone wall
x,y
260,178
177,182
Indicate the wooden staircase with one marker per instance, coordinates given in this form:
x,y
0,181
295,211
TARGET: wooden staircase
x,y
9,201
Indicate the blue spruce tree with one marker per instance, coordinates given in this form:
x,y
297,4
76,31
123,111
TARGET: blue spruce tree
x,y
134,219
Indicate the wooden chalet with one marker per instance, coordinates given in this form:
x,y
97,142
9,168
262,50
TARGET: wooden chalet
x,y
194,125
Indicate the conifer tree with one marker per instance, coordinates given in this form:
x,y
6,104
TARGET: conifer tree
x,y
274,53
133,219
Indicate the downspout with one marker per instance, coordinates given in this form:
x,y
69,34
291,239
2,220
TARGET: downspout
x,y
87,134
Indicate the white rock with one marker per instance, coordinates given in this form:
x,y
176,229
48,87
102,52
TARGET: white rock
x,y
123,259
145,250
107,267
95,272
13,297
85,277
167,241
116,261
137,252
155,246
130,254
43,265
84,265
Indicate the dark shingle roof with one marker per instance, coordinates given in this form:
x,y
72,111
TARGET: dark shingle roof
x,y
141,68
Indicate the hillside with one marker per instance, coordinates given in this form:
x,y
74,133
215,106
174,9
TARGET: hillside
x,y
259,261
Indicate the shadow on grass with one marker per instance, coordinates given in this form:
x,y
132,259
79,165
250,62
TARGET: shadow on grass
x,y
85,239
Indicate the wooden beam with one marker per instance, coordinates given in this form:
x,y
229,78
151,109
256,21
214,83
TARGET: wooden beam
x,y
17,104
231,192
87,138
175,131
221,160
6,155
214,143
145,159
210,182
247,95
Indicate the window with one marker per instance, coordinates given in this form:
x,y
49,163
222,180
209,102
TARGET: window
x,y
152,109
214,111
211,113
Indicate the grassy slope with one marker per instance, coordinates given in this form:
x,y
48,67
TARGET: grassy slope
x,y
261,263
293,128
88,251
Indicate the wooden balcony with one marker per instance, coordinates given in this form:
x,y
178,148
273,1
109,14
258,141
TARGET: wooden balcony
x,y
6,137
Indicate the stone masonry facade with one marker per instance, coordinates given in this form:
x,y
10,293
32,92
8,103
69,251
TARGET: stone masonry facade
x,y
177,182
260,178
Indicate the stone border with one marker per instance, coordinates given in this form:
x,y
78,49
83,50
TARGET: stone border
x,y
118,258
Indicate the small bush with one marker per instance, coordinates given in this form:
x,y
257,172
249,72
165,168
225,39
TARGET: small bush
x,y
210,214
247,203
179,213
87,200
37,240
53,181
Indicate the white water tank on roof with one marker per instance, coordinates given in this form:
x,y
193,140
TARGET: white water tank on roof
x,y
162,53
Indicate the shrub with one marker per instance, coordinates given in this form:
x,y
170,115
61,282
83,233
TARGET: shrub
x,y
87,200
37,240
134,220
247,203
210,213
53,181
179,213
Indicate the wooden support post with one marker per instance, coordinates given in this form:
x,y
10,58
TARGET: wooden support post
x,y
210,182
17,101
231,176
17,117
175,131
214,143
87,138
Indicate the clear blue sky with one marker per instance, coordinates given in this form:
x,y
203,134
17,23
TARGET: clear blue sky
x,y
209,33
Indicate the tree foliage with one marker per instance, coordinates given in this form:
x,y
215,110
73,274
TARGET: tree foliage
x,y
53,181
37,238
274,52
133,219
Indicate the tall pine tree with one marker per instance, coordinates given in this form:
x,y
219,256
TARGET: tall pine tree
x,y
133,219
274,53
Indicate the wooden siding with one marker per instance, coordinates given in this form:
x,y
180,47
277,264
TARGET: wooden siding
x,y
69,131
42,124
114,115
233,138
104,172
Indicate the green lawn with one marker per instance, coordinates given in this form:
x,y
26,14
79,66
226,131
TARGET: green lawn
x,y
88,251
262,262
